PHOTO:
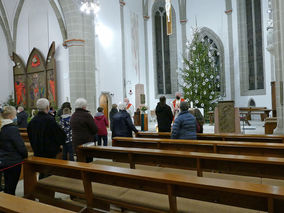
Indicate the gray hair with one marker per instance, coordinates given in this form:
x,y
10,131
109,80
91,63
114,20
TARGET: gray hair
x,y
184,106
122,106
81,103
42,104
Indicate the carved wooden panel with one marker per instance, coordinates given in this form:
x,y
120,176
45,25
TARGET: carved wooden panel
x,y
20,81
51,76
36,78
226,113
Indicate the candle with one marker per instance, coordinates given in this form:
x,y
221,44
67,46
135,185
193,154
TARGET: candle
x,y
191,104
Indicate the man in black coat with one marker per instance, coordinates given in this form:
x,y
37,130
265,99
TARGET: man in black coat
x,y
44,133
164,115
22,118
122,125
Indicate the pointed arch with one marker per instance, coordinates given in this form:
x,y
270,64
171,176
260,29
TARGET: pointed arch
x,y
164,51
215,39
15,24
59,19
6,29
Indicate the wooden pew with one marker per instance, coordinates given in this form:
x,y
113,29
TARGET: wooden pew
x,y
23,130
13,204
164,187
263,111
269,125
256,166
222,147
25,136
220,136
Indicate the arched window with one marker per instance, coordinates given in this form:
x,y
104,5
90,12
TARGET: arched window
x,y
251,47
165,51
217,51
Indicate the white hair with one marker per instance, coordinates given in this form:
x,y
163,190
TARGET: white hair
x,y
20,108
42,104
122,106
8,111
81,103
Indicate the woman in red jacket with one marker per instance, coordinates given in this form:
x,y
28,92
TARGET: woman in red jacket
x,y
101,123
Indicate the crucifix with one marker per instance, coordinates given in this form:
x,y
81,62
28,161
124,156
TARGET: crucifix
x,y
168,7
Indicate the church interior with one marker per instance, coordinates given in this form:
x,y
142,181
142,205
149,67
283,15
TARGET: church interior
x,y
224,58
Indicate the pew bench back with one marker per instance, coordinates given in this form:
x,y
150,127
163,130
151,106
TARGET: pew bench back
x,y
222,147
234,193
220,136
256,166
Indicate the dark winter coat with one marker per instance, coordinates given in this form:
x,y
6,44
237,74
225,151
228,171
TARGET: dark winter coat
x,y
83,127
12,147
184,126
22,119
164,117
65,125
112,112
122,125
45,135
102,123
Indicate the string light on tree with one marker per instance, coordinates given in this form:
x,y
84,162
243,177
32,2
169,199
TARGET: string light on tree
x,y
200,70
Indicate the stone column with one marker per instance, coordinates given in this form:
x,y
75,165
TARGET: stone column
x,y
146,18
229,11
183,21
80,26
122,4
278,20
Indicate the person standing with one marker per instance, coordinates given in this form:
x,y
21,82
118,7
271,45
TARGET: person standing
x,y
129,107
12,150
59,112
65,125
112,112
22,118
102,124
122,123
164,115
45,135
176,104
185,124
83,126
199,119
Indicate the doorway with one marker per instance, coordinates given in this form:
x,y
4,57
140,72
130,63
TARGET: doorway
x,y
104,103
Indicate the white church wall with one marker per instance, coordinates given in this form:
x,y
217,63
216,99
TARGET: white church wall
x,y
135,47
214,19
6,70
109,50
260,100
38,27
10,9
153,99
211,14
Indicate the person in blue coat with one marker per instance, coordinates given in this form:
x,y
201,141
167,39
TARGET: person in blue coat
x,y
122,125
185,124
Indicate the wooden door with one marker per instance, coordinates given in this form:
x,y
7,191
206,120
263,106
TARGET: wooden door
x,y
104,104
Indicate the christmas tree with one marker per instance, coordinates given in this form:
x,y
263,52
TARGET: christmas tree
x,y
200,76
